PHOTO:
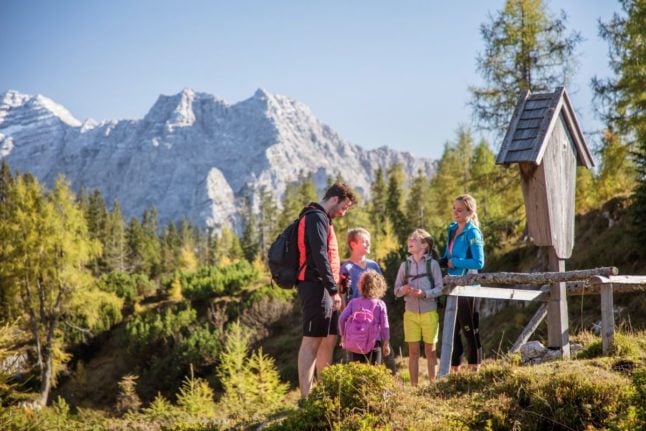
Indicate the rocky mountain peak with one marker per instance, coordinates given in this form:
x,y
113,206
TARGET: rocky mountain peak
x,y
193,155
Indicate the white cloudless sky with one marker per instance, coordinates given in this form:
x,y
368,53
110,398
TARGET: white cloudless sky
x,y
392,73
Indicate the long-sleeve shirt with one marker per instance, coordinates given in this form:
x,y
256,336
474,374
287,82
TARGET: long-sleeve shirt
x,y
418,279
379,312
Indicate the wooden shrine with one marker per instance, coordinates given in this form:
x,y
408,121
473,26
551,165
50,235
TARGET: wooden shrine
x,y
546,141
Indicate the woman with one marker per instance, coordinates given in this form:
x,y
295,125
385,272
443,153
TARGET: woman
x,y
464,253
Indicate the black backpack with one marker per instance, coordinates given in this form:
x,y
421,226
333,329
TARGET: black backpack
x,y
283,255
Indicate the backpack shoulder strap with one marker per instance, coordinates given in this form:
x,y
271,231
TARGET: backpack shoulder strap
x,y
429,272
406,271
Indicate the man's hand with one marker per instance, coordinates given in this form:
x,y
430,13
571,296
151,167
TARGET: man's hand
x,y
336,301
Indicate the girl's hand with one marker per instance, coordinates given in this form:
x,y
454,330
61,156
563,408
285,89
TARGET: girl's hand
x,y
385,349
450,264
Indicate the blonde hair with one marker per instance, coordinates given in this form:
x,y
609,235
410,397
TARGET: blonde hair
x,y
372,284
471,205
353,235
428,240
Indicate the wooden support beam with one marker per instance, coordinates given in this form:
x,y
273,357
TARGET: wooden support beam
x,y
620,284
607,319
558,333
527,332
496,293
538,278
448,328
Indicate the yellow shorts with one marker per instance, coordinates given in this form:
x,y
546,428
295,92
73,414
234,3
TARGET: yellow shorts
x,y
421,326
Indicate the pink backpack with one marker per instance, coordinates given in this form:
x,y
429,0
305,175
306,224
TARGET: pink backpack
x,y
360,331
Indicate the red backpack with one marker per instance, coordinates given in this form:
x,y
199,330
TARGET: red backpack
x,y
360,331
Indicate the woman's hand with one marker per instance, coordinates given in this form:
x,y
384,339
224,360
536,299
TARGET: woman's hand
x,y
450,263
405,289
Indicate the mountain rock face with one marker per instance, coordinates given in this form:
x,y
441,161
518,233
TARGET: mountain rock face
x,y
192,155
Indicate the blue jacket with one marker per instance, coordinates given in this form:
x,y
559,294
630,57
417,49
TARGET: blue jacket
x,y
469,239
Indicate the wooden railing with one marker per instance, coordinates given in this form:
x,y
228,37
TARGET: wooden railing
x,y
601,281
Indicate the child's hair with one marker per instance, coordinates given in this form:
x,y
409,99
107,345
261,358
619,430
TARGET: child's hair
x,y
353,235
372,284
470,202
428,239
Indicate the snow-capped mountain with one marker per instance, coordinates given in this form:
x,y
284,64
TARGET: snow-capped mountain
x,y
191,155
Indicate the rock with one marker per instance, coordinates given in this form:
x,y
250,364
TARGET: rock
x,y
532,352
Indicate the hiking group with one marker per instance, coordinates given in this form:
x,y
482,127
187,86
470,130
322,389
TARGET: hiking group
x,y
344,298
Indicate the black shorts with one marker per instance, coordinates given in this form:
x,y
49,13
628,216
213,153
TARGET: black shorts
x,y
319,317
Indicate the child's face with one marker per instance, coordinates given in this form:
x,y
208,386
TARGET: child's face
x,y
416,245
361,246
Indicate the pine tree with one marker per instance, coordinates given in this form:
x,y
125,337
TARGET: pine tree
x,y
418,208
621,100
115,247
526,48
250,241
395,199
268,215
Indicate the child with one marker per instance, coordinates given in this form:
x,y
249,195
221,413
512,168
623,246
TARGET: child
x,y
373,287
351,269
420,290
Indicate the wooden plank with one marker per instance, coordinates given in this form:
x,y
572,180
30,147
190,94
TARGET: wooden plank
x,y
521,144
528,330
533,114
538,278
524,134
497,293
528,124
620,279
501,158
607,319
595,289
450,314
548,122
558,334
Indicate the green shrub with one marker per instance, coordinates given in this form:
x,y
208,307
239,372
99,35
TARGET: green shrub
x,y
212,281
126,286
349,397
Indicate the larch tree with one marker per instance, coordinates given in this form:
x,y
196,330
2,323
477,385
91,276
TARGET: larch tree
x,y
621,99
49,249
526,48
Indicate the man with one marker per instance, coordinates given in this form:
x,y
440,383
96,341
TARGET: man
x,y
317,282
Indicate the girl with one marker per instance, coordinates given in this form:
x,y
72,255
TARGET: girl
x,y
464,252
351,269
419,281
372,287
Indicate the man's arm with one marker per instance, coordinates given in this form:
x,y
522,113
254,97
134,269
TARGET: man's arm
x,y
317,232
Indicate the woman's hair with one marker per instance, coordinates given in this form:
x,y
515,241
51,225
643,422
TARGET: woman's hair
x,y
372,284
428,240
353,235
470,202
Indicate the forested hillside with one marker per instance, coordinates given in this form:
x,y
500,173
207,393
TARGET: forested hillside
x,y
107,323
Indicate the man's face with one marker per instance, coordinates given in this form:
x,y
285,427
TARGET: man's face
x,y
340,207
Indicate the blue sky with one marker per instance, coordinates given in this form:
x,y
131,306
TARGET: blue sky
x,y
390,73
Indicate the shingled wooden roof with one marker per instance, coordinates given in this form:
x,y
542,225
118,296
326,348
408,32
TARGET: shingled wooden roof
x,y
532,124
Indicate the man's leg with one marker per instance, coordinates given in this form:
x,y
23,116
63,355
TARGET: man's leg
x,y
307,358
325,353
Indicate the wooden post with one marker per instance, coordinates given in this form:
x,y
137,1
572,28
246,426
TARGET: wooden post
x,y
558,334
450,315
530,328
607,318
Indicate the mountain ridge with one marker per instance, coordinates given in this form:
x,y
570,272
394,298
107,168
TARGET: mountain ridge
x,y
192,154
